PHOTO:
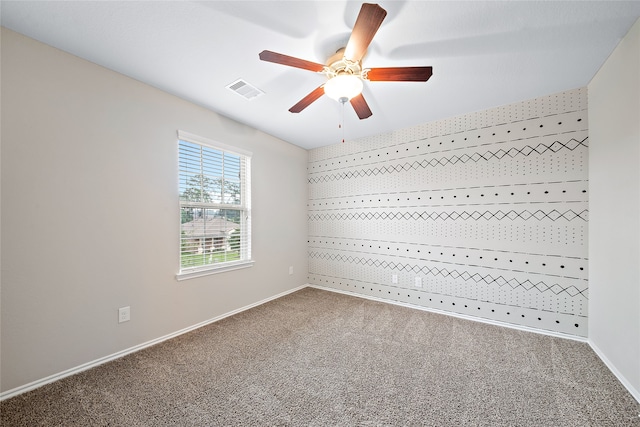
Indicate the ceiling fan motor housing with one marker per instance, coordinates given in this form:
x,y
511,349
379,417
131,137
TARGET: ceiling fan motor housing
x,y
337,64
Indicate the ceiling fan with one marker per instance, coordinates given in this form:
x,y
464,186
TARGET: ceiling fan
x,y
344,69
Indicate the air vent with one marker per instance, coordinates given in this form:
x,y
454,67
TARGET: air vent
x,y
245,90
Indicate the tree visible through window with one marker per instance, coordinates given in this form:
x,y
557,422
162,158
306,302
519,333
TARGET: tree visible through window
x,y
214,204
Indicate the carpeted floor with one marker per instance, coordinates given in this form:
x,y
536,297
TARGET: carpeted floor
x,y
318,358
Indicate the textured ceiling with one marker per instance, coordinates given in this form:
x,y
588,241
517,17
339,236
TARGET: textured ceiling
x,y
484,54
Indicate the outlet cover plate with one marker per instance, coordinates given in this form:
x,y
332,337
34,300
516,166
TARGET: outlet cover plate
x,y
124,314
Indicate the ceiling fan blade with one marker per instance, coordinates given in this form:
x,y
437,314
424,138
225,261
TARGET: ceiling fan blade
x,y
399,74
369,20
360,105
307,100
279,58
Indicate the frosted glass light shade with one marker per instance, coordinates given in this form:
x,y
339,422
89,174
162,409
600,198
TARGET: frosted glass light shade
x,y
343,86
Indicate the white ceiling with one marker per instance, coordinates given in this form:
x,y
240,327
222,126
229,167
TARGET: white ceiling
x,y
484,53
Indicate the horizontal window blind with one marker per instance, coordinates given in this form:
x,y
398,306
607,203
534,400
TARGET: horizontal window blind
x,y
215,214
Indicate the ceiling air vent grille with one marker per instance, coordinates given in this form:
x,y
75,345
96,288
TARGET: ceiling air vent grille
x,y
245,90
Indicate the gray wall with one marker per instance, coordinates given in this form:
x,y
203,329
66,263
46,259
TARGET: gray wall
x,y
489,210
614,232
90,219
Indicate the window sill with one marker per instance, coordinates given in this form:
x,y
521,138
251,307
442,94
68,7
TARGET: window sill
x,y
192,274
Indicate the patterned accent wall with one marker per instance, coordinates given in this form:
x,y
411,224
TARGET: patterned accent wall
x,y
483,215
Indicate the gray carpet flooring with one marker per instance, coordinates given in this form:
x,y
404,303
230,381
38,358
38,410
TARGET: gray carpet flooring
x,y
318,358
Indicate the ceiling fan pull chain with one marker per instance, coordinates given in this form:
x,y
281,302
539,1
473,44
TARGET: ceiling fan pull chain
x,y
341,125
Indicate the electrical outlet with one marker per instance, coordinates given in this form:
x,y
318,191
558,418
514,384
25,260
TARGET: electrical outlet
x,y
394,278
418,282
124,314
291,270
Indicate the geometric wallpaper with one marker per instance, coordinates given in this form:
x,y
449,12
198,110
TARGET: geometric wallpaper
x,y
483,215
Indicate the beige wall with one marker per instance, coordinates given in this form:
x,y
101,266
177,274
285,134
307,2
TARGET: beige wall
x,y
614,232
89,213
90,219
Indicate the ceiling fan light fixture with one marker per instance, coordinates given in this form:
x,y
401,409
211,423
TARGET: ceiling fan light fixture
x,y
343,86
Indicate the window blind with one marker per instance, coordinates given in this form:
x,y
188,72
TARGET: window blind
x,y
215,200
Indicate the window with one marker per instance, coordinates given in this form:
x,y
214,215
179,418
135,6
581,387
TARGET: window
x,y
215,202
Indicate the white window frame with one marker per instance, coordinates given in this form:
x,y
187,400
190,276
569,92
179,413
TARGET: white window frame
x,y
244,206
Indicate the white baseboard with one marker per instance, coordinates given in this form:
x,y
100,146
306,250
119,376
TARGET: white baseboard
x,y
634,392
458,315
55,377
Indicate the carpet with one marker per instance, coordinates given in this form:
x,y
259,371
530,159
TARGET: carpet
x,y
319,358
